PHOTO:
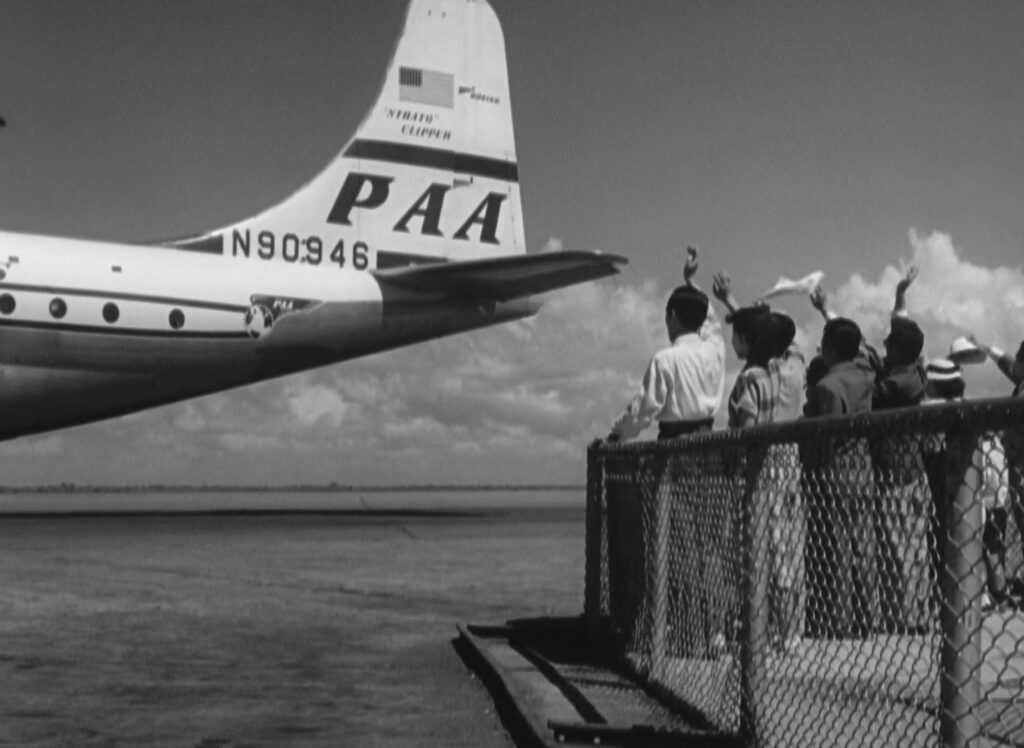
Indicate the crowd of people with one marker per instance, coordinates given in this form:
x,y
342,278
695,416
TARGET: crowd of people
x,y
858,555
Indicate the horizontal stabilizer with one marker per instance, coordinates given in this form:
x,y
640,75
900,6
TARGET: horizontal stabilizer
x,y
504,278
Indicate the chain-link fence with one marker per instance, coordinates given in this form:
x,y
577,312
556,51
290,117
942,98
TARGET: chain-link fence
x,y
829,582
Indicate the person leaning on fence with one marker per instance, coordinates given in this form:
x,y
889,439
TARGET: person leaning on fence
x,y
1013,443
684,384
682,390
753,396
768,390
945,385
789,524
903,506
837,490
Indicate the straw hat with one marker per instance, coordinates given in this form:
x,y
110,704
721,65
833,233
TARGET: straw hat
x,y
942,370
963,351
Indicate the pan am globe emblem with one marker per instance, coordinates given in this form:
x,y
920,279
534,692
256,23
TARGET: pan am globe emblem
x,y
258,321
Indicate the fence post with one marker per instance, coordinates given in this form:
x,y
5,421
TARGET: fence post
x,y
962,585
595,552
658,561
755,538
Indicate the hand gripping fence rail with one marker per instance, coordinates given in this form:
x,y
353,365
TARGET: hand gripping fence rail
x,y
849,581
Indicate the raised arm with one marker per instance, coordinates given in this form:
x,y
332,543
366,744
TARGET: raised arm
x,y
819,300
722,289
989,350
899,309
1002,359
690,268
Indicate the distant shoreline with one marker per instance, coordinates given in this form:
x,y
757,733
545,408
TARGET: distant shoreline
x,y
301,488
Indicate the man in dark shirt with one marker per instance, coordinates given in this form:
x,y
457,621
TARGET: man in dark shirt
x,y
847,386
842,597
901,381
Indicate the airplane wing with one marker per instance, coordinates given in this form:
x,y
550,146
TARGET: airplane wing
x,y
504,278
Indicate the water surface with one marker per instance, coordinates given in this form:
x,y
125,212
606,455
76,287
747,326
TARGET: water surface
x,y
277,630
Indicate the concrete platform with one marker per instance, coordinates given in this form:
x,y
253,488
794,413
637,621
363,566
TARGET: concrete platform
x,y
553,689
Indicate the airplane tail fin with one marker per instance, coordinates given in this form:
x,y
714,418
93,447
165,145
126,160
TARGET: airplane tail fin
x,y
431,173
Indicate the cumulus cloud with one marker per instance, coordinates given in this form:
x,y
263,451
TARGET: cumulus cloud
x,y
553,244
190,418
416,429
951,296
317,405
34,447
540,387
241,442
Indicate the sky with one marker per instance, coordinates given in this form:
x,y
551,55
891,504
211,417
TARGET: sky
x,y
778,138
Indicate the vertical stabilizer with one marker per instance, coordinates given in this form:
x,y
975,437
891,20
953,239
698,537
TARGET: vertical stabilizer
x,y
431,173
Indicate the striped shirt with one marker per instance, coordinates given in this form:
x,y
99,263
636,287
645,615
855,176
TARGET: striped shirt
x,y
755,395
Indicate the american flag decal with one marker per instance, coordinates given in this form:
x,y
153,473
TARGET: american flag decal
x,y
431,87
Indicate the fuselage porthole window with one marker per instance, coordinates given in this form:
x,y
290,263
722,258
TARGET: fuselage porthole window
x,y
111,312
176,319
58,308
6,304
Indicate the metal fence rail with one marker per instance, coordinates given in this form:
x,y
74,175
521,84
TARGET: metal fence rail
x,y
822,582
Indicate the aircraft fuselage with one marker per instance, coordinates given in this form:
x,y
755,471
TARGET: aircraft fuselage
x,y
90,330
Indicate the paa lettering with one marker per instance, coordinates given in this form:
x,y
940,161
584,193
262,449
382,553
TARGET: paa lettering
x,y
351,191
370,191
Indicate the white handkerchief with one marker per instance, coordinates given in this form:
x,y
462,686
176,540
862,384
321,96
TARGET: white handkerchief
x,y
785,285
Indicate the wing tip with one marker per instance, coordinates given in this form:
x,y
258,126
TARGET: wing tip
x,y
596,254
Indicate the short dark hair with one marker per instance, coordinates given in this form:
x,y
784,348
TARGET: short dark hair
x,y
1020,352
843,336
751,322
753,325
783,331
906,339
815,371
689,305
